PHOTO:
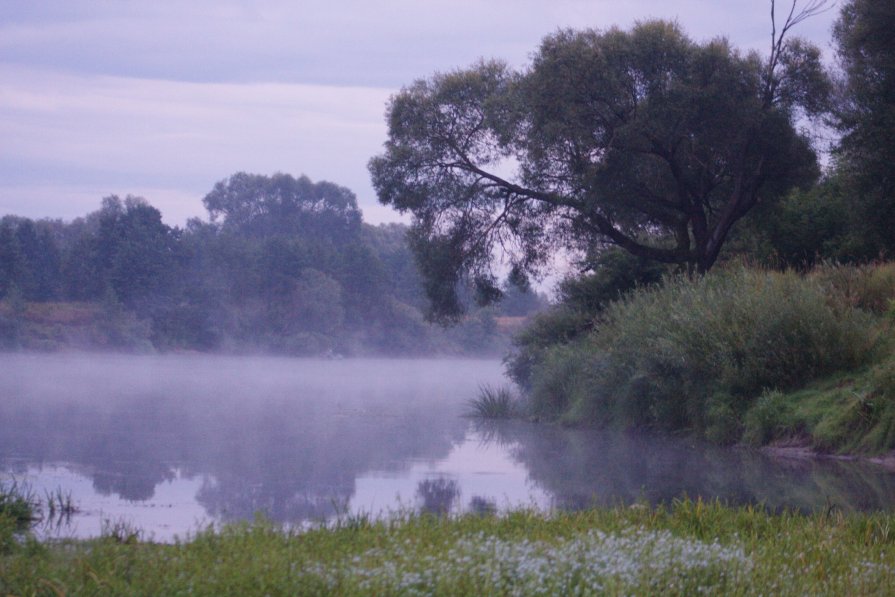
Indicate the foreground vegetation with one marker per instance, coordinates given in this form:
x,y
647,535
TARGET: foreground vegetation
x,y
687,548
740,355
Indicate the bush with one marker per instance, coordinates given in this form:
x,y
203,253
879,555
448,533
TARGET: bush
x,y
558,378
694,354
612,274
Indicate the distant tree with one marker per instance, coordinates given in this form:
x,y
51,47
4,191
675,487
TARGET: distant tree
x,y
365,280
866,113
519,302
137,252
642,139
389,243
29,258
41,257
11,261
82,275
259,205
315,303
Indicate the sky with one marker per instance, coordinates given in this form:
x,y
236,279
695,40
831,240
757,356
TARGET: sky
x,y
162,99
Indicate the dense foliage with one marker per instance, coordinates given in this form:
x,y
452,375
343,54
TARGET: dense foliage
x,y
643,139
728,355
285,265
697,354
865,114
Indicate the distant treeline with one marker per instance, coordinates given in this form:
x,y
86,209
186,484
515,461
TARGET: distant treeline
x,y
284,265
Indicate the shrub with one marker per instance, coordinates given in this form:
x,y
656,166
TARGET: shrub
x,y
696,353
612,274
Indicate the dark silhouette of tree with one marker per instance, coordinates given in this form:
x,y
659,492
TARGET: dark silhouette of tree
x,y
866,115
642,139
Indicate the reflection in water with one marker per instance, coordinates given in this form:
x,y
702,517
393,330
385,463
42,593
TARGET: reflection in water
x,y
437,496
482,506
283,436
177,441
581,468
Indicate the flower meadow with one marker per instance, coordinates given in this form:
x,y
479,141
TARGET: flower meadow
x,y
590,563
685,548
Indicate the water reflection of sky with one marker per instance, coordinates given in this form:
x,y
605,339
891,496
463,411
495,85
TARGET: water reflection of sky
x,y
481,469
171,511
170,444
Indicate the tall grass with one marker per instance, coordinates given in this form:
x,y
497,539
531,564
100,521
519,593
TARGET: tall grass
x,y
695,354
19,508
493,403
18,502
851,413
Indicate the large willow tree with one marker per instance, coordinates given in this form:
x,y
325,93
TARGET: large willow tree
x,y
642,139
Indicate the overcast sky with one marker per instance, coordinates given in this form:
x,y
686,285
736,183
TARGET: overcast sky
x,y
164,98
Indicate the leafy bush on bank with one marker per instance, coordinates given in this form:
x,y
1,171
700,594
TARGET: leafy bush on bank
x,y
611,274
698,354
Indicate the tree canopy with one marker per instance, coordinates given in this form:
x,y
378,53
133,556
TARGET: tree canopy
x,y
260,205
866,113
642,139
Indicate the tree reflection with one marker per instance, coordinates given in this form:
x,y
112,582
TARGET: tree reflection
x,y
292,456
437,496
582,468
482,506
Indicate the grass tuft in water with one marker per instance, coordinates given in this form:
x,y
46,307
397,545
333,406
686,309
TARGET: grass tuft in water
x,y
493,403
121,531
59,504
18,502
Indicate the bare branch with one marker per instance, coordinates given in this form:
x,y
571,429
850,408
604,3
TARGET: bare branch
x,y
811,9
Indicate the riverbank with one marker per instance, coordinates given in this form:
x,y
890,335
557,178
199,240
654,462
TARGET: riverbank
x,y
65,327
740,356
686,548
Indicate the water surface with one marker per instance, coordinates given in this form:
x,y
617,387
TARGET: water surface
x,y
170,444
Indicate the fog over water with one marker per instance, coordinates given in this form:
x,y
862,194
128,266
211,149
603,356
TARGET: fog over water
x,y
171,443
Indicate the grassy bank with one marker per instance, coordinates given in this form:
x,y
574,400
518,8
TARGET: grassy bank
x,y
742,355
688,548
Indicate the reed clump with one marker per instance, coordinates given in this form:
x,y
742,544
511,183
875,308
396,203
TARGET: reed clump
x,y
18,502
493,403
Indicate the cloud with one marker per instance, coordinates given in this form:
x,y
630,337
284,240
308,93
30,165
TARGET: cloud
x,y
168,97
337,42
103,131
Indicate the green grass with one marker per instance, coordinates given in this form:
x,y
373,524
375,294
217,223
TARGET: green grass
x,y
18,502
846,413
493,403
19,509
686,548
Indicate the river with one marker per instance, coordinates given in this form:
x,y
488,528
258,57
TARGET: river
x,y
171,444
